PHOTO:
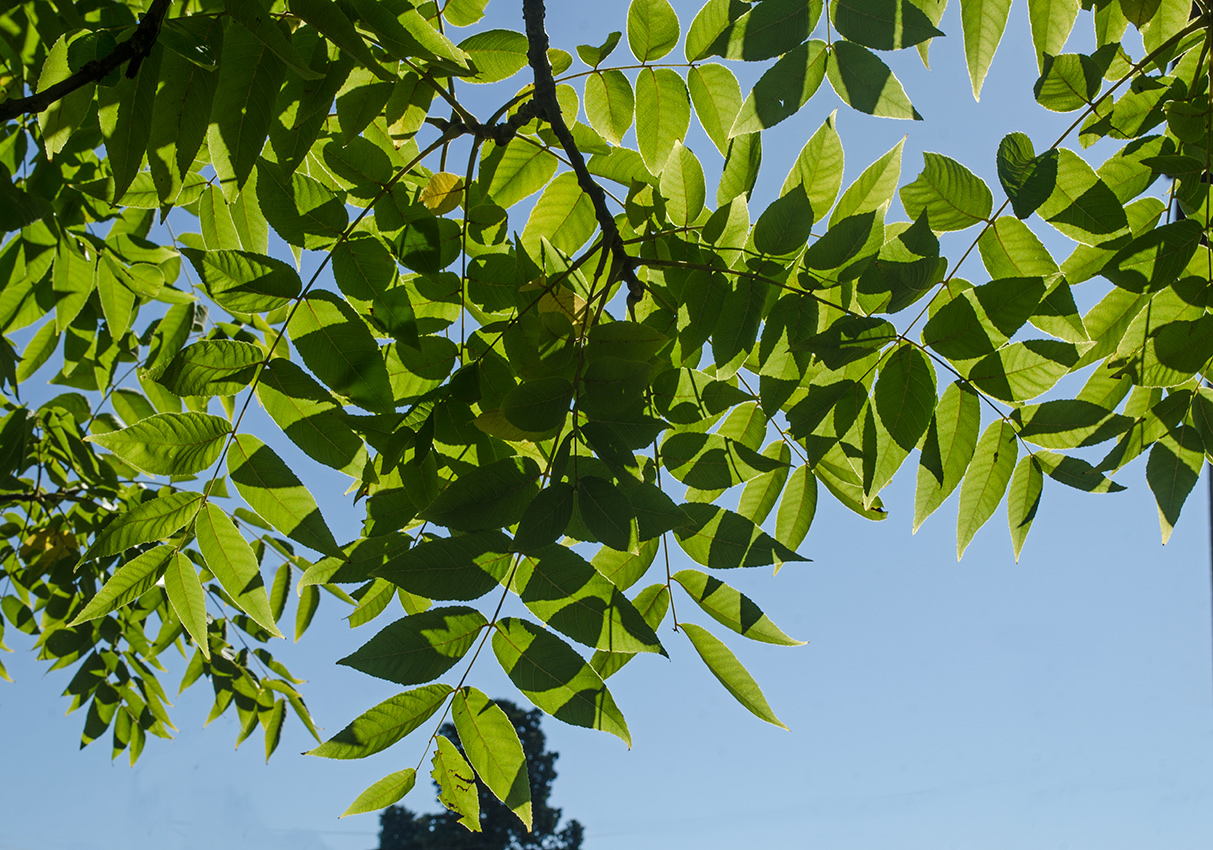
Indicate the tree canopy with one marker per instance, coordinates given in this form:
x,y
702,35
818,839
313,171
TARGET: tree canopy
x,y
539,350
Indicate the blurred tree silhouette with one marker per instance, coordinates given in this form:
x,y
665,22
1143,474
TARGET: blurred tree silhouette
x,y
402,829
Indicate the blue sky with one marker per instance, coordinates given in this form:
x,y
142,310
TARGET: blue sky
x,y
1064,702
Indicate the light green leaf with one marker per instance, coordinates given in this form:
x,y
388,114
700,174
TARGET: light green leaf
x,y
731,608
904,398
419,648
721,539
683,186
819,169
864,82
243,281
983,23
328,18
497,54
624,569
783,89
797,507
873,188
735,678
277,495
1023,370
1051,22
555,678
594,56
1023,499
741,162
564,215
388,722
952,196
948,448
124,112
309,601
712,461
128,583
1075,472
492,746
762,493
155,519
464,567
770,28
984,318
384,792
188,599
516,171
609,103
653,602
1081,205
986,481
1069,423
456,783
883,24
652,29
169,443
1010,249
229,556
180,117
709,24
784,226
663,114
716,96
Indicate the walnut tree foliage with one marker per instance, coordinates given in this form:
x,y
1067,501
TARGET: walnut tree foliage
x,y
542,349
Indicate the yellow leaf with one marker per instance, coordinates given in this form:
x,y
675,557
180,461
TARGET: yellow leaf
x,y
443,193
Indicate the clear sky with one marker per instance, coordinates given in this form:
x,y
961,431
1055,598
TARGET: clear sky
x,y
1064,702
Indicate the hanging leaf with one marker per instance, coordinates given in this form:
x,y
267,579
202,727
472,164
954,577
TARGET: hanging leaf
x,y
864,82
731,608
419,648
128,583
388,722
783,89
169,443
493,748
883,24
1172,471
652,29
983,23
609,104
243,281
986,481
388,790
721,539
456,783
155,519
726,668
663,114
1023,499
188,599
951,196
231,559
463,568
486,497
716,96
339,348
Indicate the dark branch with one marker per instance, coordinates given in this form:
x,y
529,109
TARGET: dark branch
x,y
134,50
533,13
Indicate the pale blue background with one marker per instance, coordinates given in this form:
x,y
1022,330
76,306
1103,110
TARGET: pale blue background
x,y
1064,702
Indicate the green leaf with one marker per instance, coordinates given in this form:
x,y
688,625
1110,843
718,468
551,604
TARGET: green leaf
x,y
606,512
682,185
762,493
1155,259
818,169
338,347
1023,370
653,602
711,461
783,89
180,117
594,56
492,746
905,402
564,215
538,405
873,188
211,367
124,112
1075,472
456,783
1172,471
609,104
255,16
329,19
1069,423
1051,22
555,678
663,114
1027,179
952,197
983,23
128,583
770,28
303,211
497,54
883,24
384,792
419,648
188,599
947,449
864,82
545,518
986,480
652,29
277,495
516,171
624,569
249,78
308,414
1081,205
1023,499
1069,81
229,556
486,497
716,96
464,567
1010,249
169,443
566,592
309,601
735,678
741,163
797,507
731,608
388,722
721,539
155,519
245,282
784,226
980,320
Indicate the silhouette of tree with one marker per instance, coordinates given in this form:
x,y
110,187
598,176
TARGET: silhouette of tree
x,y
402,829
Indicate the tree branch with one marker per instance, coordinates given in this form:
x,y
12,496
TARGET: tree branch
x,y
134,50
533,13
